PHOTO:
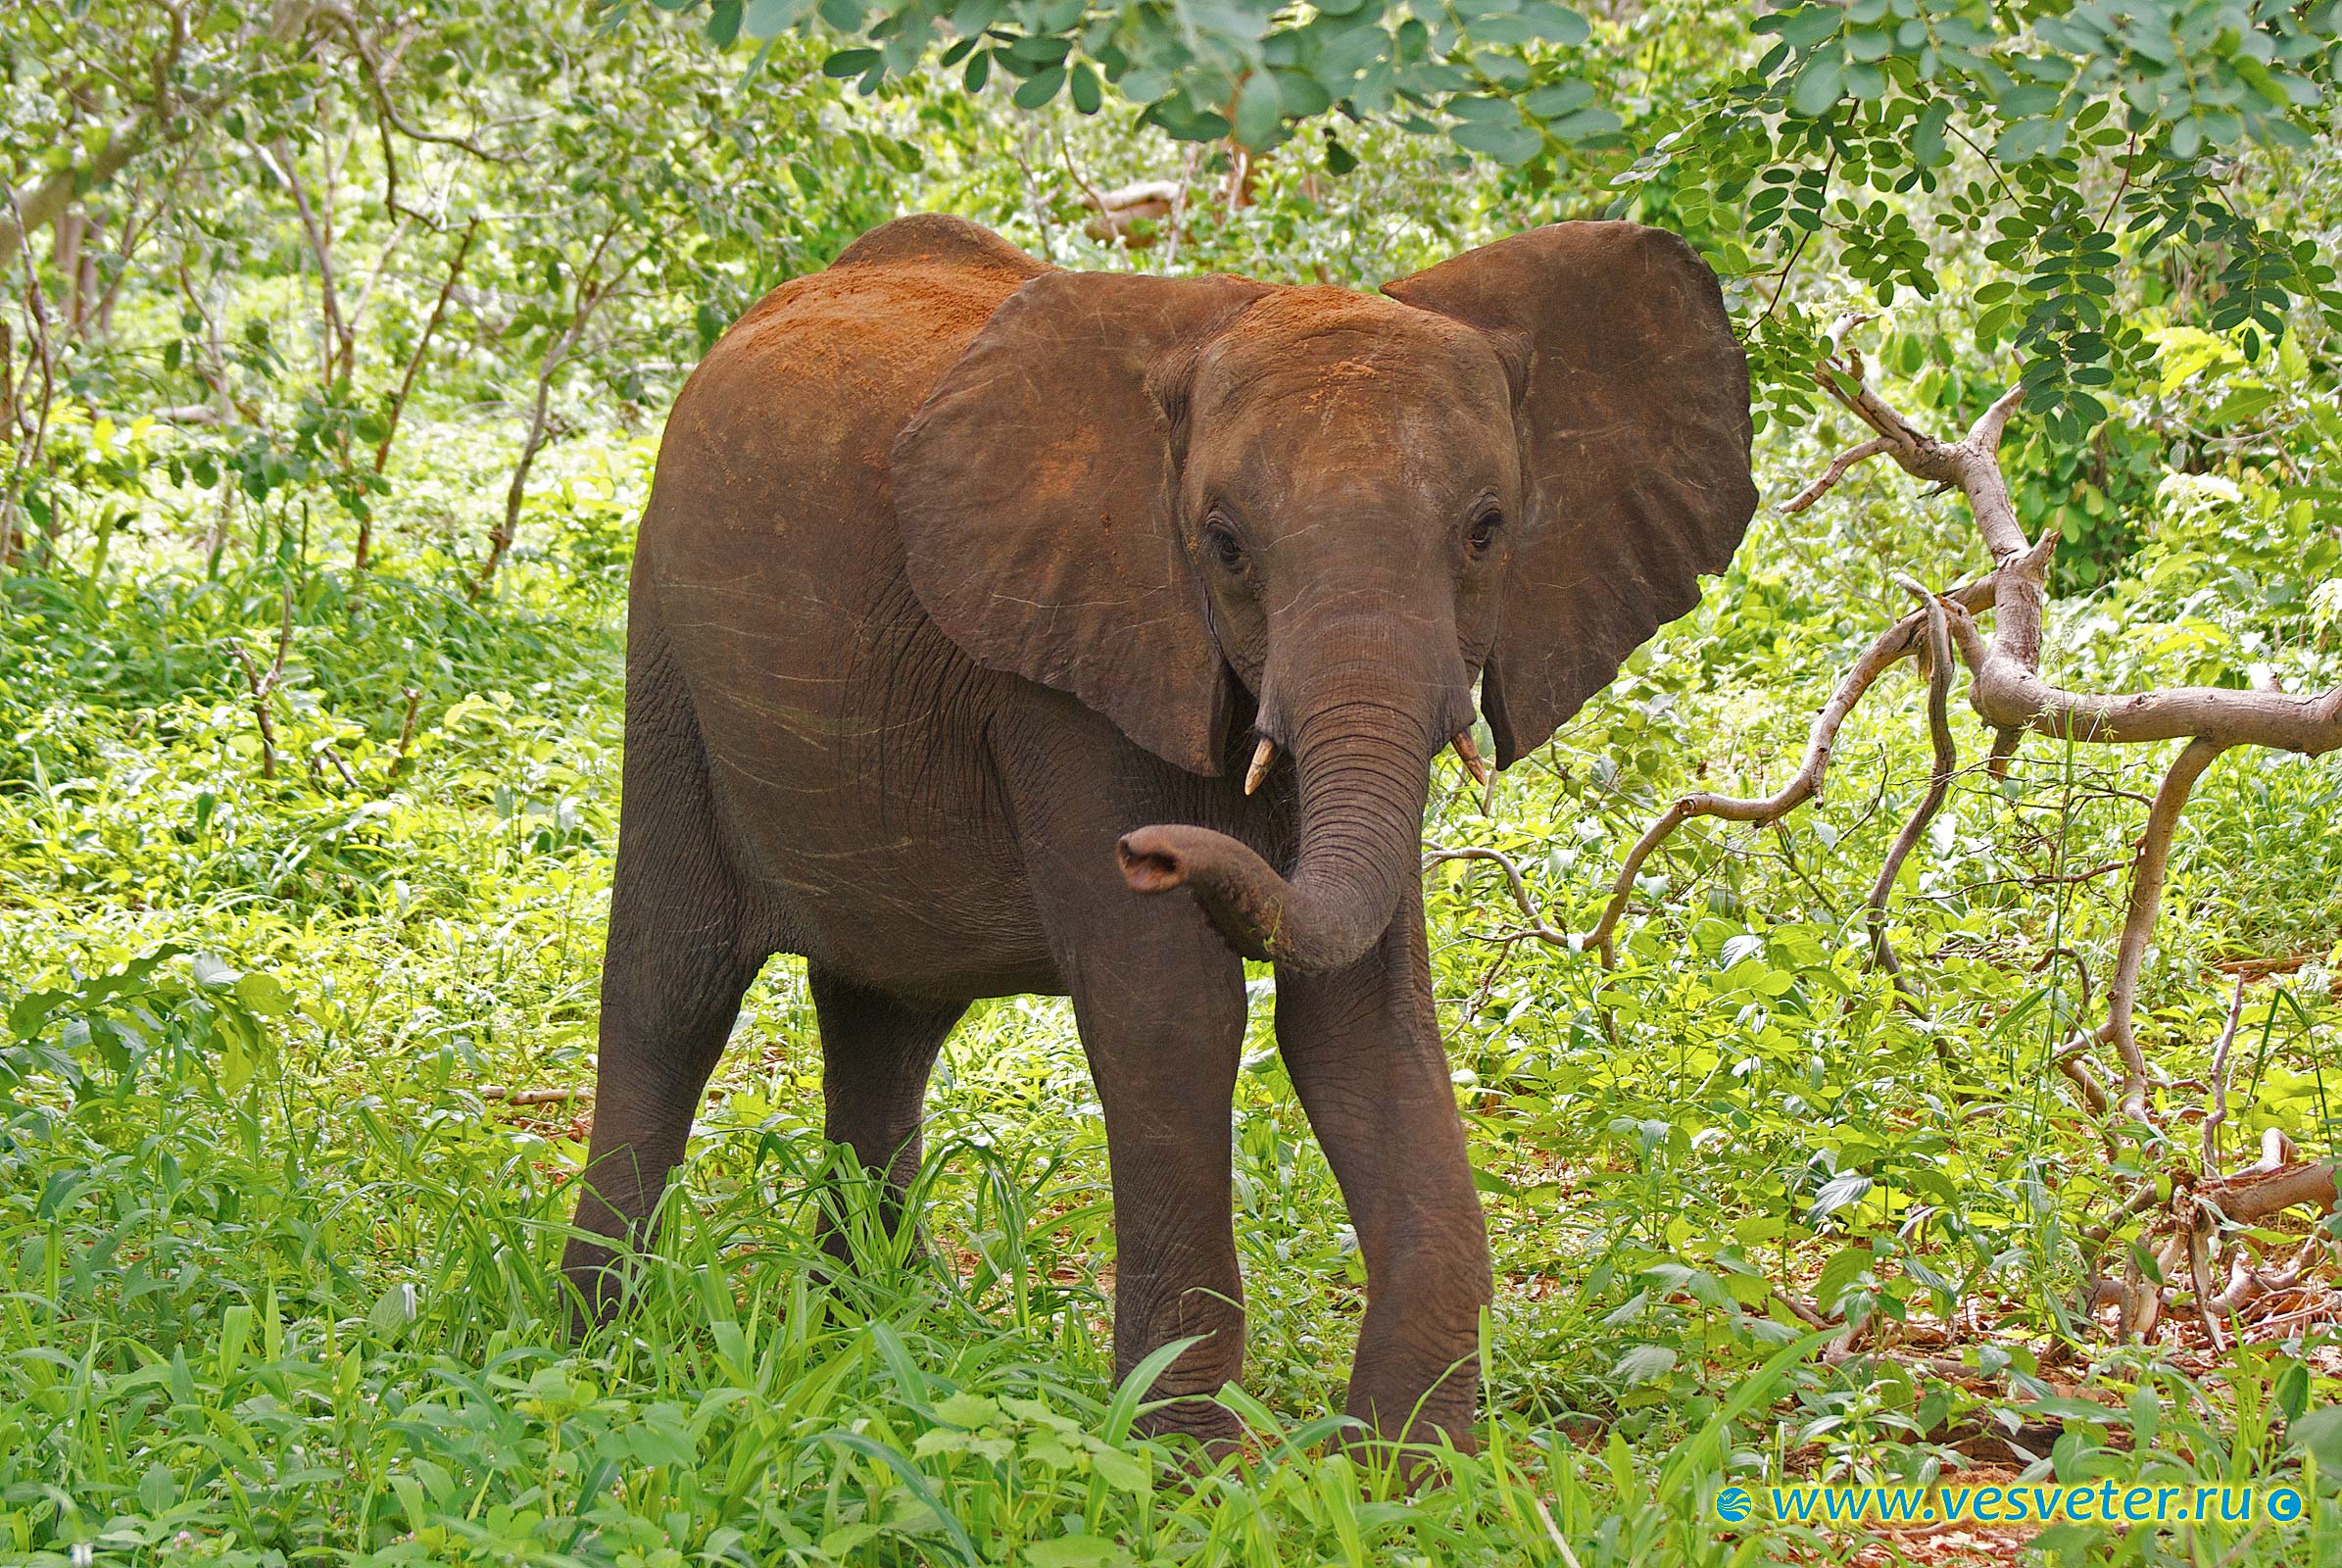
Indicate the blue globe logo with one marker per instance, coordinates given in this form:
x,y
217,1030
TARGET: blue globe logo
x,y
1732,1504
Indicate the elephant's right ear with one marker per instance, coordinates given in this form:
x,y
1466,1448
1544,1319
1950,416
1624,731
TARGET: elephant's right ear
x,y
1632,411
1034,488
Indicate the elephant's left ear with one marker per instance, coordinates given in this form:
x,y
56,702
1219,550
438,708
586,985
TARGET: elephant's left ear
x,y
1035,489
1631,401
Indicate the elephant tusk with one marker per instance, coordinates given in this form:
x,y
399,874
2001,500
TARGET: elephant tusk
x,y
1470,756
1261,759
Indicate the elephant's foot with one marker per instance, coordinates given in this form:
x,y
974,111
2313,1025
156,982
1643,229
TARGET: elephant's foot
x,y
1214,1436
596,1277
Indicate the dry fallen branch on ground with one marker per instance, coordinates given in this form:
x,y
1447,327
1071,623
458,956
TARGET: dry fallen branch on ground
x,y
534,1097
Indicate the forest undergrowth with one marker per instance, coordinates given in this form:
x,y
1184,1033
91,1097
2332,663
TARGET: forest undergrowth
x,y
309,771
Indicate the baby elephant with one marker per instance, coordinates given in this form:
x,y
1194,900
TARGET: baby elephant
x,y
998,629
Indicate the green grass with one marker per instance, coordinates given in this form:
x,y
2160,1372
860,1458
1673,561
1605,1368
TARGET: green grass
x,y
276,1275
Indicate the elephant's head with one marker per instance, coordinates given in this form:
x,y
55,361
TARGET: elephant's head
x,y
1513,468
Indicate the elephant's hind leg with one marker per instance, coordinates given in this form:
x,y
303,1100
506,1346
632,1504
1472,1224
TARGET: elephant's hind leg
x,y
678,960
876,1052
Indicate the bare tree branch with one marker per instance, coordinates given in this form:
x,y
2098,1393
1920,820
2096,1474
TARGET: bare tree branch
x,y
1836,472
1939,782
1539,926
2218,1111
2138,922
1901,639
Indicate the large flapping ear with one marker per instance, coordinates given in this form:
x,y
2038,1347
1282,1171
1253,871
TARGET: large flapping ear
x,y
1633,410
1036,487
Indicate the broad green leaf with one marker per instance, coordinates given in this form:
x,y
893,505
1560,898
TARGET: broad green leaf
x,y
1643,1363
2319,1434
1039,88
1511,144
1928,149
1560,98
769,18
1256,109
1819,82
263,993
850,62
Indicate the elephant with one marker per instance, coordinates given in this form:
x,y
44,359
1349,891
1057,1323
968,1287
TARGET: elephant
x,y
997,628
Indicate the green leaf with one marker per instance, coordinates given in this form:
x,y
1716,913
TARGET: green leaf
x,y
2290,1393
1087,94
850,63
1584,124
769,18
2027,140
1819,82
1928,147
1557,24
1510,144
1554,101
1131,1391
965,1409
1842,1191
1299,95
2319,1434
1039,88
1121,1471
913,1482
1803,27
263,993
158,1488
393,1310
1643,1363
1840,1275
1480,108
1256,109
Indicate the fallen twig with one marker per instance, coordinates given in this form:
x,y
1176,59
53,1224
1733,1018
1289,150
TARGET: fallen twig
x,y
534,1097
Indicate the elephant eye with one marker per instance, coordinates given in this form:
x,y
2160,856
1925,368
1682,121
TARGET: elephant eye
x,y
1223,548
1483,533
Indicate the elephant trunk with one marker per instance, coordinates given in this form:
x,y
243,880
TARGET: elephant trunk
x,y
1362,746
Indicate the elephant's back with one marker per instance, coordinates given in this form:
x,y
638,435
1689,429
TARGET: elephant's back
x,y
807,392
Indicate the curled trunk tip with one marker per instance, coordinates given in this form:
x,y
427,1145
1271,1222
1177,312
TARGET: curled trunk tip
x,y
1244,896
1360,832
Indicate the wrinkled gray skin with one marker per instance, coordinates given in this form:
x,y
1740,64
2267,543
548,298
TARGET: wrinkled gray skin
x,y
965,590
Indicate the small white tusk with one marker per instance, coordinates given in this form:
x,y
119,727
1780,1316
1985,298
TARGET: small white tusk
x,y
1470,756
1261,759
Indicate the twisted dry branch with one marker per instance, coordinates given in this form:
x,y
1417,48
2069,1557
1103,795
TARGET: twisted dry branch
x,y
1898,642
1939,670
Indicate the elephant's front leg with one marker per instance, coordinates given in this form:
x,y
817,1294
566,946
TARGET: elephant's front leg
x,y
1161,1001
1363,1048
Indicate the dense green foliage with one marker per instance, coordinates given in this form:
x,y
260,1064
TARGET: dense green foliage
x,y
1753,146
338,411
